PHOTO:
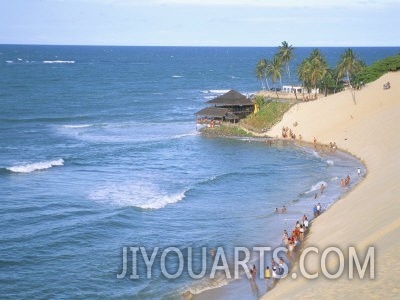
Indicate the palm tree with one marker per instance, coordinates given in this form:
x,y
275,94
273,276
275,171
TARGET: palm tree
x,y
286,54
312,70
316,54
348,66
317,71
303,71
275,71
328,81
261,72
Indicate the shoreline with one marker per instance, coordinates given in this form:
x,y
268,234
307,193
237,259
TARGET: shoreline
x,y
365,216
240,286
354,223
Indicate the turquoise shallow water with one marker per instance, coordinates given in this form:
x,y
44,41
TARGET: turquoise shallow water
x,y
99,151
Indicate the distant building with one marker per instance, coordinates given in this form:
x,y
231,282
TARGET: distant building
x,y
292,89
229,107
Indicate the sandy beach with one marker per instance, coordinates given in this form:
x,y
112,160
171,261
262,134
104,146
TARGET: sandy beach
x,y
368,216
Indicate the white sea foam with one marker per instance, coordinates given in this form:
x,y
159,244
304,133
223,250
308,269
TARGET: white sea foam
x,y
330,162
215,91
193,133
177,76
28,168
317,187
77,126
143,195
58,61
127,131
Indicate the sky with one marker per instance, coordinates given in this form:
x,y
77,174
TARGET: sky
x,y
201,22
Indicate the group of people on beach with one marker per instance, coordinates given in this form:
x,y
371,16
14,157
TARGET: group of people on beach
x,y
286,132
289,133
291,242
325,148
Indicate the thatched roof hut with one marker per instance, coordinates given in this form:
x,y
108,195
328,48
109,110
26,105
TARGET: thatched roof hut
x,y
217,113
230,106
231,98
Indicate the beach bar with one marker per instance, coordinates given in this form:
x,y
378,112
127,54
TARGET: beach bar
x,y
229,107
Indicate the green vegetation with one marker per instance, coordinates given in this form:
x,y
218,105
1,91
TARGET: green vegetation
x,y
313,72
225,130
285,54
349,65
378,68
271,112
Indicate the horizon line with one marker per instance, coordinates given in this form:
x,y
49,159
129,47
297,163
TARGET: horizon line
x,y
200,46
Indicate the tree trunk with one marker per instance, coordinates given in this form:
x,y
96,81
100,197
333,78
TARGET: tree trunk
x,y
266,81
353,93
290,80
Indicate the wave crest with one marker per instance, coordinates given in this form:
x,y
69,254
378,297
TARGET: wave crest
x,y
316,187
58,61
28,168
141,195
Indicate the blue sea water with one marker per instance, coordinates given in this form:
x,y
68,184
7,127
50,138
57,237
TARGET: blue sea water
x,y
99,150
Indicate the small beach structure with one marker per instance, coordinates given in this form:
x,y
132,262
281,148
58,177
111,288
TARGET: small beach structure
x,y
292,89
229,107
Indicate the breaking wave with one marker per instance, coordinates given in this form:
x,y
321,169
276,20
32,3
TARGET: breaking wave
x,y
316,187
142,195
58,61
28,168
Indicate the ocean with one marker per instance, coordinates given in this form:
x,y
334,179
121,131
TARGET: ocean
x,y
100,153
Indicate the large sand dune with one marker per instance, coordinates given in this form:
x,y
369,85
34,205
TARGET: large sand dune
x,y
369,216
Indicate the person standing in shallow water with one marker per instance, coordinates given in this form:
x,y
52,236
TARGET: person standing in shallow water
x,y
267,274
254,271
322,189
